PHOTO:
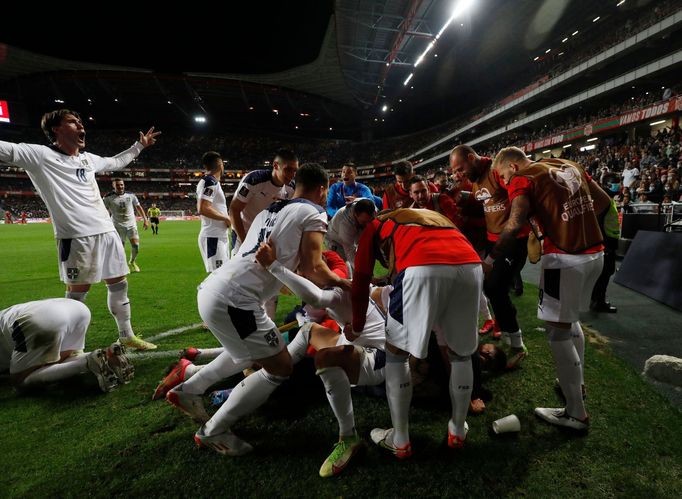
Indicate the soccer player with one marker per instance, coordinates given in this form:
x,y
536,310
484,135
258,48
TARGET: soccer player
x,y
153,213
489,190
122,205
398,195
564,199
423,198
42,341
257,190
212,209
437,280
346,226
341,359
8,217
88,247
345,192
231,302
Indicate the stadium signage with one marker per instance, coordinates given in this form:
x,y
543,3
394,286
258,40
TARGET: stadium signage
x,y
645,113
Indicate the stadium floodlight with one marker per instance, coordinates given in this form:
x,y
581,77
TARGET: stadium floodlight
x,y
574,33
384,108
536,58
546,151
407,80
588,148
596,19
564,40
592,139
567,146
548,51
620,3
59,101
115,100
169,102
656,122
200,119
460,7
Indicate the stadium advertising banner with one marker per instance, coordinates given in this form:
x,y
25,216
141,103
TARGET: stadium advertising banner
x,y
4,112
632,116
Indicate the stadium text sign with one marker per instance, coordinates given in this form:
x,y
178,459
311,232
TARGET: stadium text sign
x,y
4,111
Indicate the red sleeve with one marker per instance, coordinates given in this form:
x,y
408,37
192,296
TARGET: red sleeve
x,y
449,209
336,264
433,187
519,186
384,198
362,275
588,177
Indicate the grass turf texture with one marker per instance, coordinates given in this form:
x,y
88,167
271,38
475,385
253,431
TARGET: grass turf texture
x,y
72,441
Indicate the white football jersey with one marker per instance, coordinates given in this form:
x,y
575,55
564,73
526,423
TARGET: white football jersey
x,y
122,208
258,192
244,281
209,189
67,184
345,233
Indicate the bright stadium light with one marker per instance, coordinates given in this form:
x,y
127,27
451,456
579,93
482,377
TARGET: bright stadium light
x,y
460,7
407,80
575,33
548,51
421,57
567,146
592,139
59,101
200,119
546,151
564,40
384,108
656,123
596,19
620,3
536,57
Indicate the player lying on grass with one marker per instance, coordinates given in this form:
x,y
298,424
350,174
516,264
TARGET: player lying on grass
x,y
42,342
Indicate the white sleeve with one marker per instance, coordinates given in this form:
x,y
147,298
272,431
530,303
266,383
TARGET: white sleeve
x,y
243,191
304,289
315,222
136,202
26,156
120,161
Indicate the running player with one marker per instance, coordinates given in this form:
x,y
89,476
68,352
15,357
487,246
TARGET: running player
x,y
213,211
437,281
89,249
42,341
231,302
153,213
122,205
564,199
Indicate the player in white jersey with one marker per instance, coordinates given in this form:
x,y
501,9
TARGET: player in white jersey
x,y
122,205
346,226
341,360
257,190
231,302
88,247
42,342
212,209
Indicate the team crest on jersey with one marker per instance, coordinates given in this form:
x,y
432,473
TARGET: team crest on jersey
x,y
482,195
208,191
72,273
218,264
244,191
272,338
567,177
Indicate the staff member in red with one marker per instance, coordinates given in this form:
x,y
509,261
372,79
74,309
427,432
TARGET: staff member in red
x,y
564,199
398,194
437,280
489,190
423,198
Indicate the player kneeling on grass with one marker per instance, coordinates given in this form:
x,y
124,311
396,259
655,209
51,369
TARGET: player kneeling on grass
x,y
42,342
341,360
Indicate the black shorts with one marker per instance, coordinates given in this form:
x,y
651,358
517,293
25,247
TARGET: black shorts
x,y
154,220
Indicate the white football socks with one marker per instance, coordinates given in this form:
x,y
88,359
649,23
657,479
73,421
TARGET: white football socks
x,y
134,250
119,306
483,308
578,339
299,345
399,395
216,371
76,295
461,385
569,370
245,398
337,387
72,366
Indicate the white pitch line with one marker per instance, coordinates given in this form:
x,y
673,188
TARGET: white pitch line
x,y
163,354
172,332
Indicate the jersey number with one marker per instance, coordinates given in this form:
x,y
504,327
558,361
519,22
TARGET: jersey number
x,y
19,338
80,174
263,236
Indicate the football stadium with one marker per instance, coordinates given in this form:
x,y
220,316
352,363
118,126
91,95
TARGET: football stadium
x,y
342,248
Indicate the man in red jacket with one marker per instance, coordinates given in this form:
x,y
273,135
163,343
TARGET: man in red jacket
x,y
398,195
437,281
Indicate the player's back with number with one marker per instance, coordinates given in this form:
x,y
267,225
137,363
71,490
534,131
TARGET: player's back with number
x,y
285,222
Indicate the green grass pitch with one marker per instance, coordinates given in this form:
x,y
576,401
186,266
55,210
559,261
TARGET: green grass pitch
x,y
72,441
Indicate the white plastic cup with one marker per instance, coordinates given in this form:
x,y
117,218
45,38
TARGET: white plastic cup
x,y
507,424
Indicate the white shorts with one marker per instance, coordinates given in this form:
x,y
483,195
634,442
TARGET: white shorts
x,y
129,233
566,291
435,296
53,326
88,260
234,243
372,366
246,333
213,251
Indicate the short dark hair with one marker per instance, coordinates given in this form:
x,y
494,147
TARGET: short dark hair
x,y
210,160
286,155
418,178
403,167
310,176
53,119
351,166
440,173
365,205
